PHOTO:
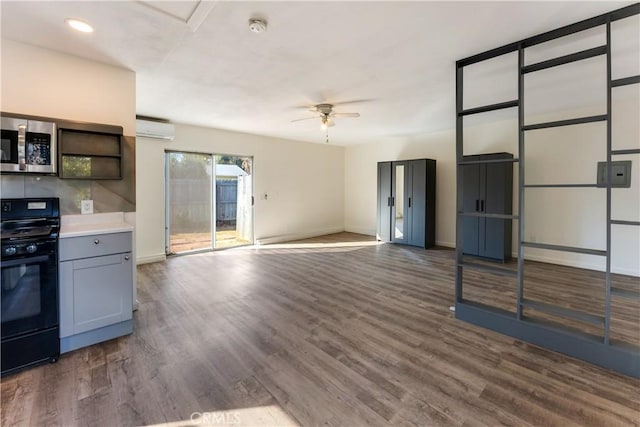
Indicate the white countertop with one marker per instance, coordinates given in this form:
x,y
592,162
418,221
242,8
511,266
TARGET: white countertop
x,y
88,225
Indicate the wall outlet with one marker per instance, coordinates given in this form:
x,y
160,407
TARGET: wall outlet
x,y
86,206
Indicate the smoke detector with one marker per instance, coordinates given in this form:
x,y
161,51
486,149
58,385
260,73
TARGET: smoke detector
x,y
257,25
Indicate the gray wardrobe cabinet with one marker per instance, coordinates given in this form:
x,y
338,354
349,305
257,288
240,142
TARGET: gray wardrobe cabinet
x,y
406,202
487,188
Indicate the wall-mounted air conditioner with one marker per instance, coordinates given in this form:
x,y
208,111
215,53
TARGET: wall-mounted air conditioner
x,y
155,129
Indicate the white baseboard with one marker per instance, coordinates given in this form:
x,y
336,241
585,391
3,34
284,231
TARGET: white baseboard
x,y
445,244
360,230
580,264
298,236
151,258
565,262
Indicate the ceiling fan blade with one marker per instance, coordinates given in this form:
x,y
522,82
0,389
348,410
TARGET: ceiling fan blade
x,y
345,114
306,118
354,101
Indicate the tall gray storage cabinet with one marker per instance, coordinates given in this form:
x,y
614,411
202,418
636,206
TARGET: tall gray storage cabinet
x,y
487,188
407,202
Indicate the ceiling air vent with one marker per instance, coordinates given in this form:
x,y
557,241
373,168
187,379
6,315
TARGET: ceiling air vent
x,y
155,129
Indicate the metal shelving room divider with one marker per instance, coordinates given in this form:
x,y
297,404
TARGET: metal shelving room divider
x,y
600,351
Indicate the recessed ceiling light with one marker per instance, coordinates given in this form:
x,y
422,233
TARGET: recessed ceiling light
x,y
79,25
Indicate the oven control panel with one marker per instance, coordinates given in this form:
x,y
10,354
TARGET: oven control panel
x,y
28,248
21,209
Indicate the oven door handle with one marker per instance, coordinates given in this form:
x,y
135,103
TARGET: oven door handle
x,y
26,260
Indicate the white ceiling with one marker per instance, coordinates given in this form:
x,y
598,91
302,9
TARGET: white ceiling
x,y
198,63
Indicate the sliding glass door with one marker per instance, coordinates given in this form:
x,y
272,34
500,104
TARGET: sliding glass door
x,y
189,201
234,201
209,201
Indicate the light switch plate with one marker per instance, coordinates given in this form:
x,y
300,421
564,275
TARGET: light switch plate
x,y
86,206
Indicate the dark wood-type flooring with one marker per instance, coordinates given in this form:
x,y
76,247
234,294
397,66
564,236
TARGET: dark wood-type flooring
x,y
330,332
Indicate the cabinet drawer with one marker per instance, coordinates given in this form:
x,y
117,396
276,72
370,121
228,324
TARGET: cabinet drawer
x,y
94,245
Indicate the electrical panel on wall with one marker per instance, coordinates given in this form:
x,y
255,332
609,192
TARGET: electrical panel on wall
x,y
620,174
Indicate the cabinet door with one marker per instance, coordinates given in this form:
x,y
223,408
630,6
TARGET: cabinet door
x,y
66,298
471,203
399,201
430,204
416,202
497,200
383,230
101,292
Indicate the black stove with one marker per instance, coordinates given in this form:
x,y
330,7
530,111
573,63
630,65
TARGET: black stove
x,y
29,290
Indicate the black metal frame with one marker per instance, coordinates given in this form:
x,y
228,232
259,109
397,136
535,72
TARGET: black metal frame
x,y
595,349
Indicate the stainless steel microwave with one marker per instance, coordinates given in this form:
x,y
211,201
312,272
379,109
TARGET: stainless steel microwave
x,y
28,146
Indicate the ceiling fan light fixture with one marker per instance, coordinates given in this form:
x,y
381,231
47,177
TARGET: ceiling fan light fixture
x,y
79,25
326,115
257,25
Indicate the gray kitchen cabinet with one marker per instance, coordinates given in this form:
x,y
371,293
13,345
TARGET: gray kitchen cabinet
x,y
96,289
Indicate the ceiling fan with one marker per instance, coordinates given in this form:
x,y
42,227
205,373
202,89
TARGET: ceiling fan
x,y
326,114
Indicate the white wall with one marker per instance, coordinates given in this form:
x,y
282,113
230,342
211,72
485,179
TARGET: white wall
x,y
360,180
304,183
571,217
43,82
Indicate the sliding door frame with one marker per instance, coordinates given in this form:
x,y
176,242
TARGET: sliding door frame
x,y
253,237
167,202
213,226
